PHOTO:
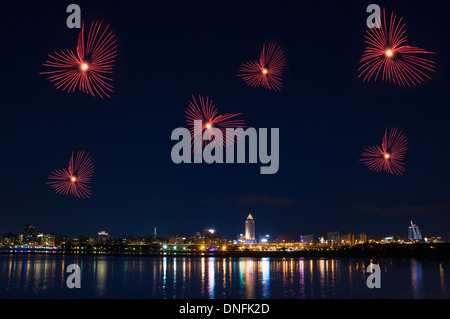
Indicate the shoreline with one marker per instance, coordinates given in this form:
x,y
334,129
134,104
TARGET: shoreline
x,y
418,251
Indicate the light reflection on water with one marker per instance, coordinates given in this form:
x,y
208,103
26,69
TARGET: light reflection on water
x,y
44,276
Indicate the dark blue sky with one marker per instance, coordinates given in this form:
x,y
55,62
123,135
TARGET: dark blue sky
x,y
169,50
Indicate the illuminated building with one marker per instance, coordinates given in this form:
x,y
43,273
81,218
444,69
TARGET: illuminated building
x,y
332,237
46,239
9,239
209,232
414,232
125,240
250,229
434,239
62,240
175,239
388,239
306,239
362,238
348,238
264,239
103,237
28,234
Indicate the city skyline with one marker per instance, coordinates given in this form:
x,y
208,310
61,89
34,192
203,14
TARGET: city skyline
x,y
412,233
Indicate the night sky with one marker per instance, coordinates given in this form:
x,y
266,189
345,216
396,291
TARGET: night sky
x,y
169,50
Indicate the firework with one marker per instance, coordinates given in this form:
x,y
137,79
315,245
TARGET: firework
x,y
87,69
387,55
75,179
267,71
389,157
205,111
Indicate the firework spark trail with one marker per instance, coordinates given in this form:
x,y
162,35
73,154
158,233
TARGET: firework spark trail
x,y
389,156
89,67
75,179
387,54
267,71
205,111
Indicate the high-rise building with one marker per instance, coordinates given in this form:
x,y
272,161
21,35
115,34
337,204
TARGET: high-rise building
x,y
29,234
155,234
414,232
348,238
362,238
250,236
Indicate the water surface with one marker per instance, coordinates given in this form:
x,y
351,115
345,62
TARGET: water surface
x,y
44,276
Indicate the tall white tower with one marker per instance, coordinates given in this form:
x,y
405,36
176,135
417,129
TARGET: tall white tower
x,y
250,229
414,232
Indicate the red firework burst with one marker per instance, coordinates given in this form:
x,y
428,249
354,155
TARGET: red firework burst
x,y
89,67
267,71
386,54
75,178
205,111
389,157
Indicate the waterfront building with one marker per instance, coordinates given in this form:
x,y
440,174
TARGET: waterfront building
x,y
125,240
103,237
362,238
306,239
209,232
28,234
333,237
9,239
414,232
46,239
265,239
176,240
348,239
250,236
388,239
